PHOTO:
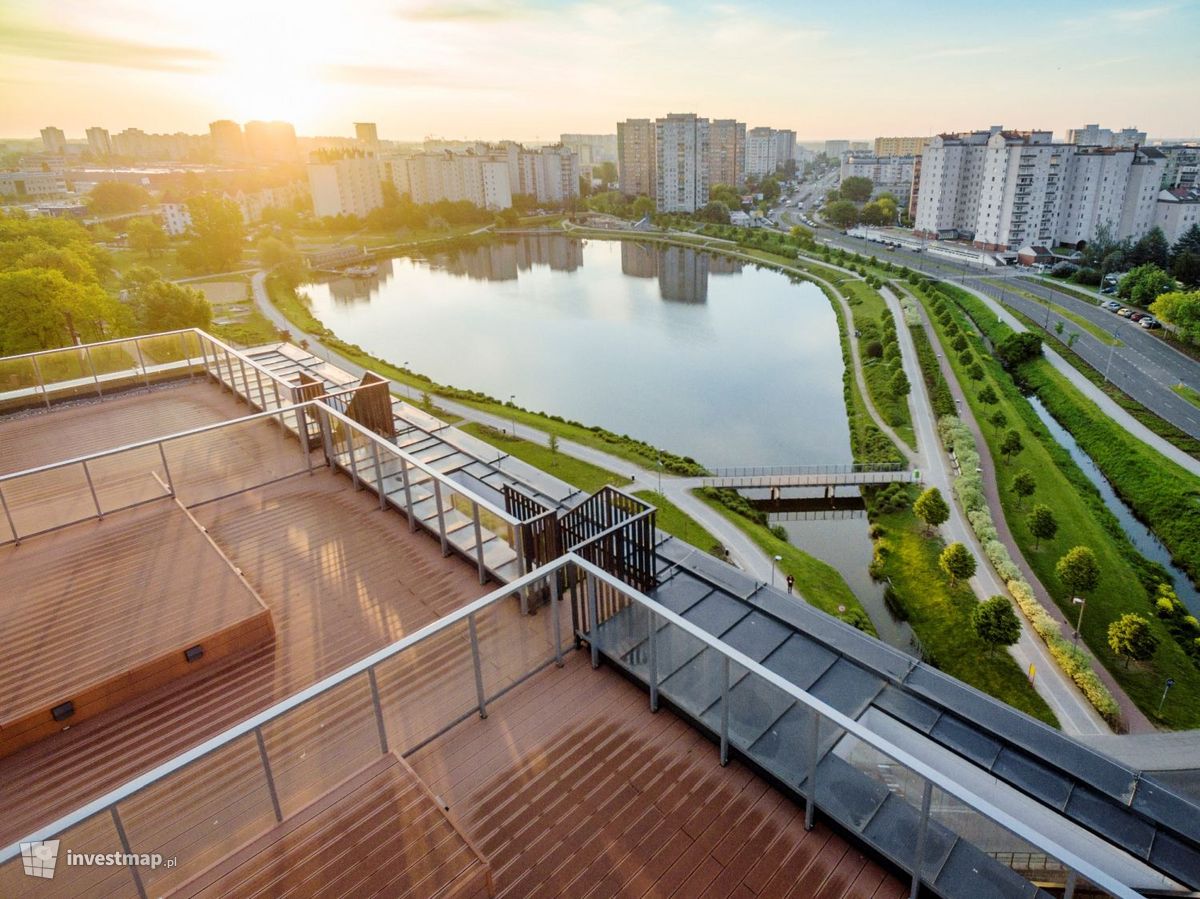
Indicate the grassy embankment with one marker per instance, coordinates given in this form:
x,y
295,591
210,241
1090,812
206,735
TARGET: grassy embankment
x,y
1105,337
1126,579
1188,393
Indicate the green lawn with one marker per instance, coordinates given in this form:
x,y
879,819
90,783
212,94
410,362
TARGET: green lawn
x,y
941,615
255,330
165,262
1105,337
677,523
1082,520
1188,393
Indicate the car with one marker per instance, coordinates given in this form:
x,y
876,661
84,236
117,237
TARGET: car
x,y
1150,323
1111,305
1109,288
1137,316
1124,313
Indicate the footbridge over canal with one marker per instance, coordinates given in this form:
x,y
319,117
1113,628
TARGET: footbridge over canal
x,y
828,476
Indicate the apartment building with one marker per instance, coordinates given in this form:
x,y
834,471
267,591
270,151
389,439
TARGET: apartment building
x,y
761,152
482,180
681,162
366,134
133,143
271,141
99,142
900,146
345,183
54,141
22,185
555,174
835,148
1177,211
890,173
228,141
636,157
1095,136
1181,166
727,151
592,149
1006,189
785,145
174,218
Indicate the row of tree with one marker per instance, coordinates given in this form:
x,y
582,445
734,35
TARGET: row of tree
x,y
1105,254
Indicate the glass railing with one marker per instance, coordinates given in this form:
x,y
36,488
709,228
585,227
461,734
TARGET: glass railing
x,y
208,802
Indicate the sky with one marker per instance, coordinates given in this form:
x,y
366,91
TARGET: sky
x,y
531,69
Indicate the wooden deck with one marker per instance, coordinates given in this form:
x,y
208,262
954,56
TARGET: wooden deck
x,y
381,833
341,579
78,627
572,787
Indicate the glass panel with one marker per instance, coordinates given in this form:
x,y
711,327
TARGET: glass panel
x,y
67,373
116,365
232,458
200,814
19,386
124,479
513,645
96,835
49,499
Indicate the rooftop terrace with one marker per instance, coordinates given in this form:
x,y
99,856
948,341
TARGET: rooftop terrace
x,y
458,738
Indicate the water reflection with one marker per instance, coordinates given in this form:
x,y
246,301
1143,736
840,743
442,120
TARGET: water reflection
x,y
350,290
682,273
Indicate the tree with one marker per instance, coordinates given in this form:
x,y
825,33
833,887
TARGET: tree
x,y
552,443
842,213
995,623
714,211
1181,309
957,562
857,189
899,385
727,194
1024,485
1144,284
147,236
1152,249
40,310
162,306
998,419
1042,523
217,234
876,213
605,173
274,254
116,197
642,207
1011,445
1131,638
1186,268
1078,570
1018,348
1189,242
931,508
987,395
976,372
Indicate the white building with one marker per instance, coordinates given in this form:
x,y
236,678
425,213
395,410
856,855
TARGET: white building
x,y
681,162
555,175
1177,211
835,148
592,149
761,152
99,142
344,183
35,185
54,141
176,219
482,180
785,146
1095,136
637,157
891,173
1006,189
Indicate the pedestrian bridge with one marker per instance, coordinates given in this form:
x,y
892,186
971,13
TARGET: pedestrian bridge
x,y
811,476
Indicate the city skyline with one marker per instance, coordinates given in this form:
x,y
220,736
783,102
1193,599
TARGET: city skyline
x,y
468,69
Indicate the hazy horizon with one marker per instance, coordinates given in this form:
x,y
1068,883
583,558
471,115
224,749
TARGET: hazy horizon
x,y
532,69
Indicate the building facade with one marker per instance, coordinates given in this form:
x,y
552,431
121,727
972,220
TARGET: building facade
x,y
271,141
637,157
99,142
681,162
891,173
228,141
31,185
482,180
344,184
835,148
591,149
785,146
54,141
900,146
761,149
727,151
366,134
1177,211
1095,136
175,218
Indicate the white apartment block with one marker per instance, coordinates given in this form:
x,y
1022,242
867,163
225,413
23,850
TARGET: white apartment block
x,y
344,184
99,142
890,173
555,175
22,185
637,157
482,180
761,152
681,162
1006,189
54,141
1181,166
1177,211
591,149
1095,136
726,152
900,146
785,145
834,148
175,218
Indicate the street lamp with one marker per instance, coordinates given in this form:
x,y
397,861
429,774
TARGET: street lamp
x,y
408,371
512,401
1111,349
1169,684
774,562
1081,602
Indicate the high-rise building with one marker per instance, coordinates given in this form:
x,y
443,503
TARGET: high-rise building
x,y
591,149
479,179
761,152
99,142
137,144
681,162
54,141
1095,136
636,157
893,174
727,152
367,135
900,146
228,142
344,183
785,146
271,141
835,148
555,174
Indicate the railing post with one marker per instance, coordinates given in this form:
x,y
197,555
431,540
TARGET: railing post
x,y
725,710
1069,890
353,460
520,527
229,366
37,370
478,541
87,352
266,763
478,666
408,503
187,355
441,517
124,838
7,514
262,396
810,794
162,453
653,661
137,345
378,476
922,829
92,487
555,599
326,433
245,381
383,740
593,614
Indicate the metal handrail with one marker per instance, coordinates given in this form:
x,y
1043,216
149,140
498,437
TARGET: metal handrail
x,y
930,774
847,468
110,341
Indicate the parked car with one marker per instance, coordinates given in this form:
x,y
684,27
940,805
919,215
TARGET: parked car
x,y
1150,323
1108,288
1124,313
1111,305
1137,316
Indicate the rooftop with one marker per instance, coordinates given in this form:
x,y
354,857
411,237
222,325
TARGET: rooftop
x,y
371,535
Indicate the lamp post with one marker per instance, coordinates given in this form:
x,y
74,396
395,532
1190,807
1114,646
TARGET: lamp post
x,y
774,562
408,387
512,401
1169,684
1081,602
1111,349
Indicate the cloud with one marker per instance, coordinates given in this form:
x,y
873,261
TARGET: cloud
x,y
1139,14
464,11
95,49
